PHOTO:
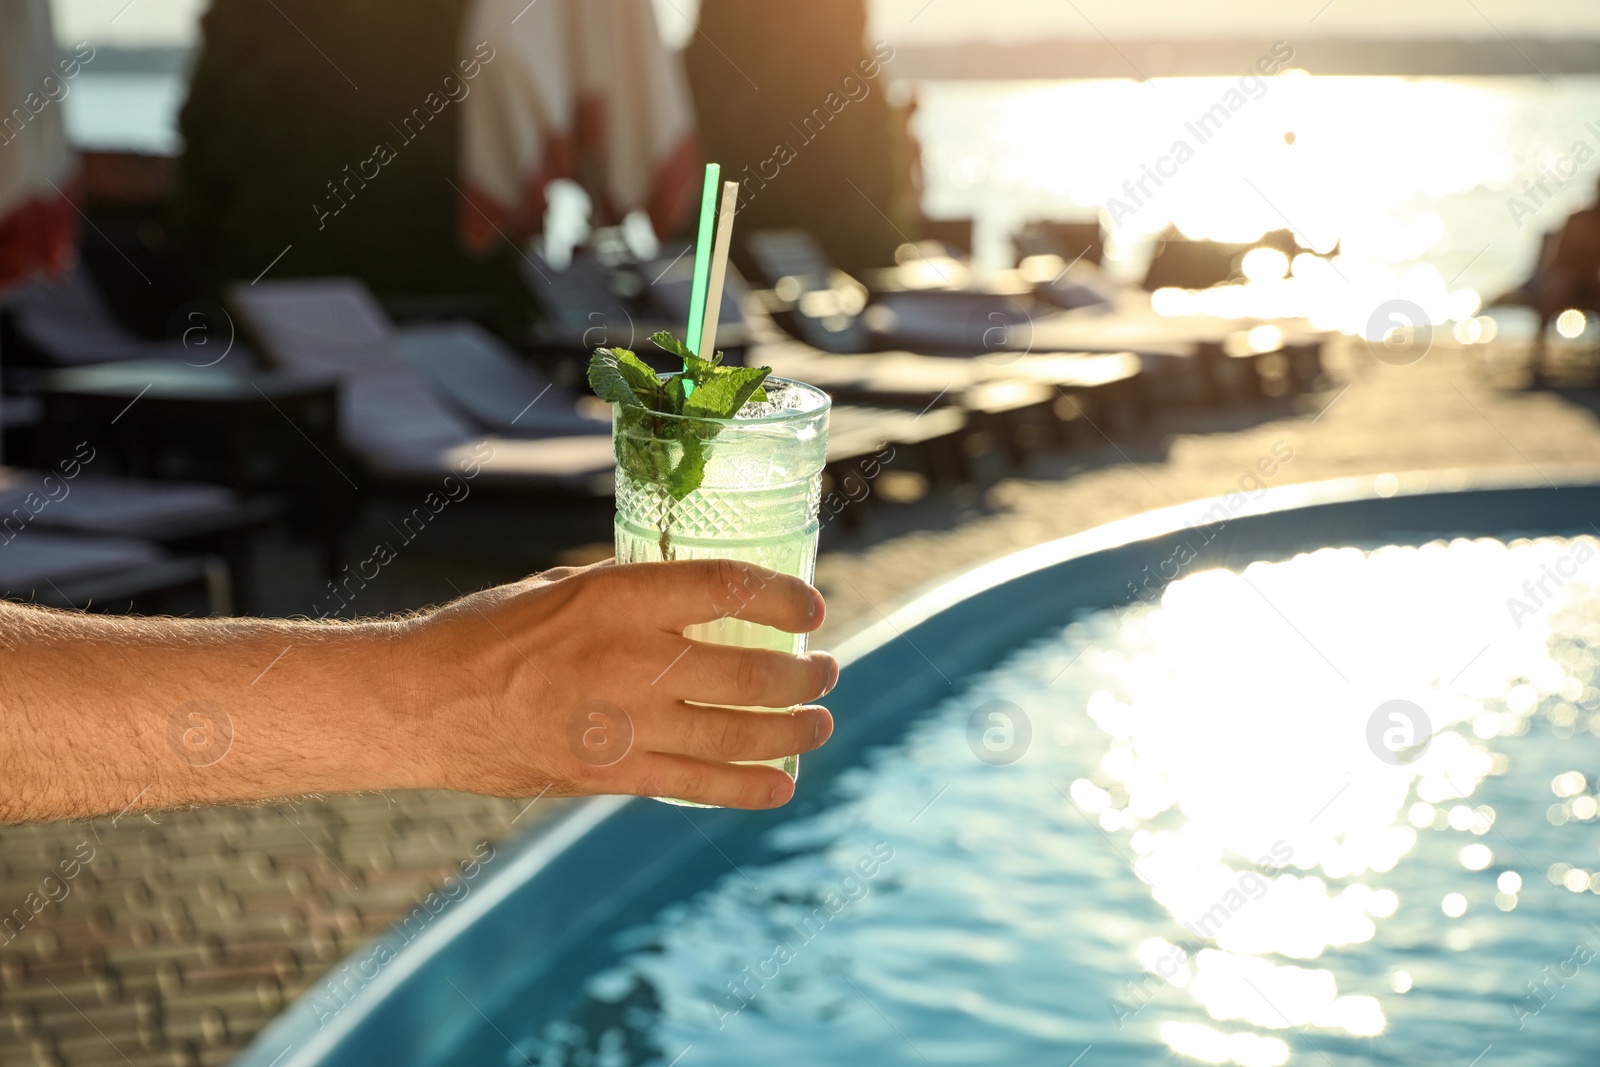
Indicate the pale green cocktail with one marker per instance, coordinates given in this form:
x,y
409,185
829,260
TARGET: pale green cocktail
x,y
757,502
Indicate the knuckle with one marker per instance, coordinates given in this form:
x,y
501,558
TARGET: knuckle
x,y
688,785
731,737
726,578
590,779
755,674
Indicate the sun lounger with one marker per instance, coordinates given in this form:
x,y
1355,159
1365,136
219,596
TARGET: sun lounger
x,y
189,517
671,278
780,254
1527,294
583,309
955,234
1071,253
499,391
391,418
252,429
820,305
69,324
671,285
78,571
1075,288
929,442
955,322
940,322
1105,389
151,511
1185,264
1072,241
1182,356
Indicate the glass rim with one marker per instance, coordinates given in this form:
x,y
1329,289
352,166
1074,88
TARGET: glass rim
x,y
776,419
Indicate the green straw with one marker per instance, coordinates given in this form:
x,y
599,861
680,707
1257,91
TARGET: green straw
x,y
702,258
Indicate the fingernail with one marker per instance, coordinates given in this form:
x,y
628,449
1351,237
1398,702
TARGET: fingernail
x,y
833,677
816,728
817,606
780,793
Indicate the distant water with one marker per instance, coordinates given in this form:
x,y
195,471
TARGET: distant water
x,y
1410,174
1198,825
132,111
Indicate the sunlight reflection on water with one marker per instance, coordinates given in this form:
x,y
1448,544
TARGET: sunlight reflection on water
x,y
1207,849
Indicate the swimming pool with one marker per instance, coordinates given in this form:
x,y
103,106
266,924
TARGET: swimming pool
x,y
1321,804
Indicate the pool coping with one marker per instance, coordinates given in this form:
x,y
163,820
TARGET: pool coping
x,y
950,589
1421,506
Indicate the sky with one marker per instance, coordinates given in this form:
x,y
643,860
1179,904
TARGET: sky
x,y
145,22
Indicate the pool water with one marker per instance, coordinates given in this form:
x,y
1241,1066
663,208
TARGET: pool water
x,y
1338,809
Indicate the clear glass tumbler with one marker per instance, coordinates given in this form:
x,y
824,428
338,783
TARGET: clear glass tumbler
x,y
757,502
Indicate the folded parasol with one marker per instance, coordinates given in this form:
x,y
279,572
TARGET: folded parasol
x,y
579,89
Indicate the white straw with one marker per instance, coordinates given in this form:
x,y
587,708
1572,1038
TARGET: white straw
x,y
719,268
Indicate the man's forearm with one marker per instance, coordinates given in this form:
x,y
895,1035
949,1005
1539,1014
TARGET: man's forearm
x,y
101,714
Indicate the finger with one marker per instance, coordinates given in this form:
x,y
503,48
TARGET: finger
x,y
725,734
675,595
727,785
748,677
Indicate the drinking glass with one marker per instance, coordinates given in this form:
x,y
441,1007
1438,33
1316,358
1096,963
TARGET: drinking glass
x,y
757,502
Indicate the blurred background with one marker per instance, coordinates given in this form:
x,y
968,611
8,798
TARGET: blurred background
x,y
295,300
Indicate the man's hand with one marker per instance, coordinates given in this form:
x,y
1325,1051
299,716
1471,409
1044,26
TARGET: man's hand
x,y
582,681
576,681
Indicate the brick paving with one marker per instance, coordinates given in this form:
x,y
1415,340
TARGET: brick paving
x,y
173,940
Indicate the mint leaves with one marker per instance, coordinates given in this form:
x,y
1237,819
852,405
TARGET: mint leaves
x,y
617,375
671,452
702,390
